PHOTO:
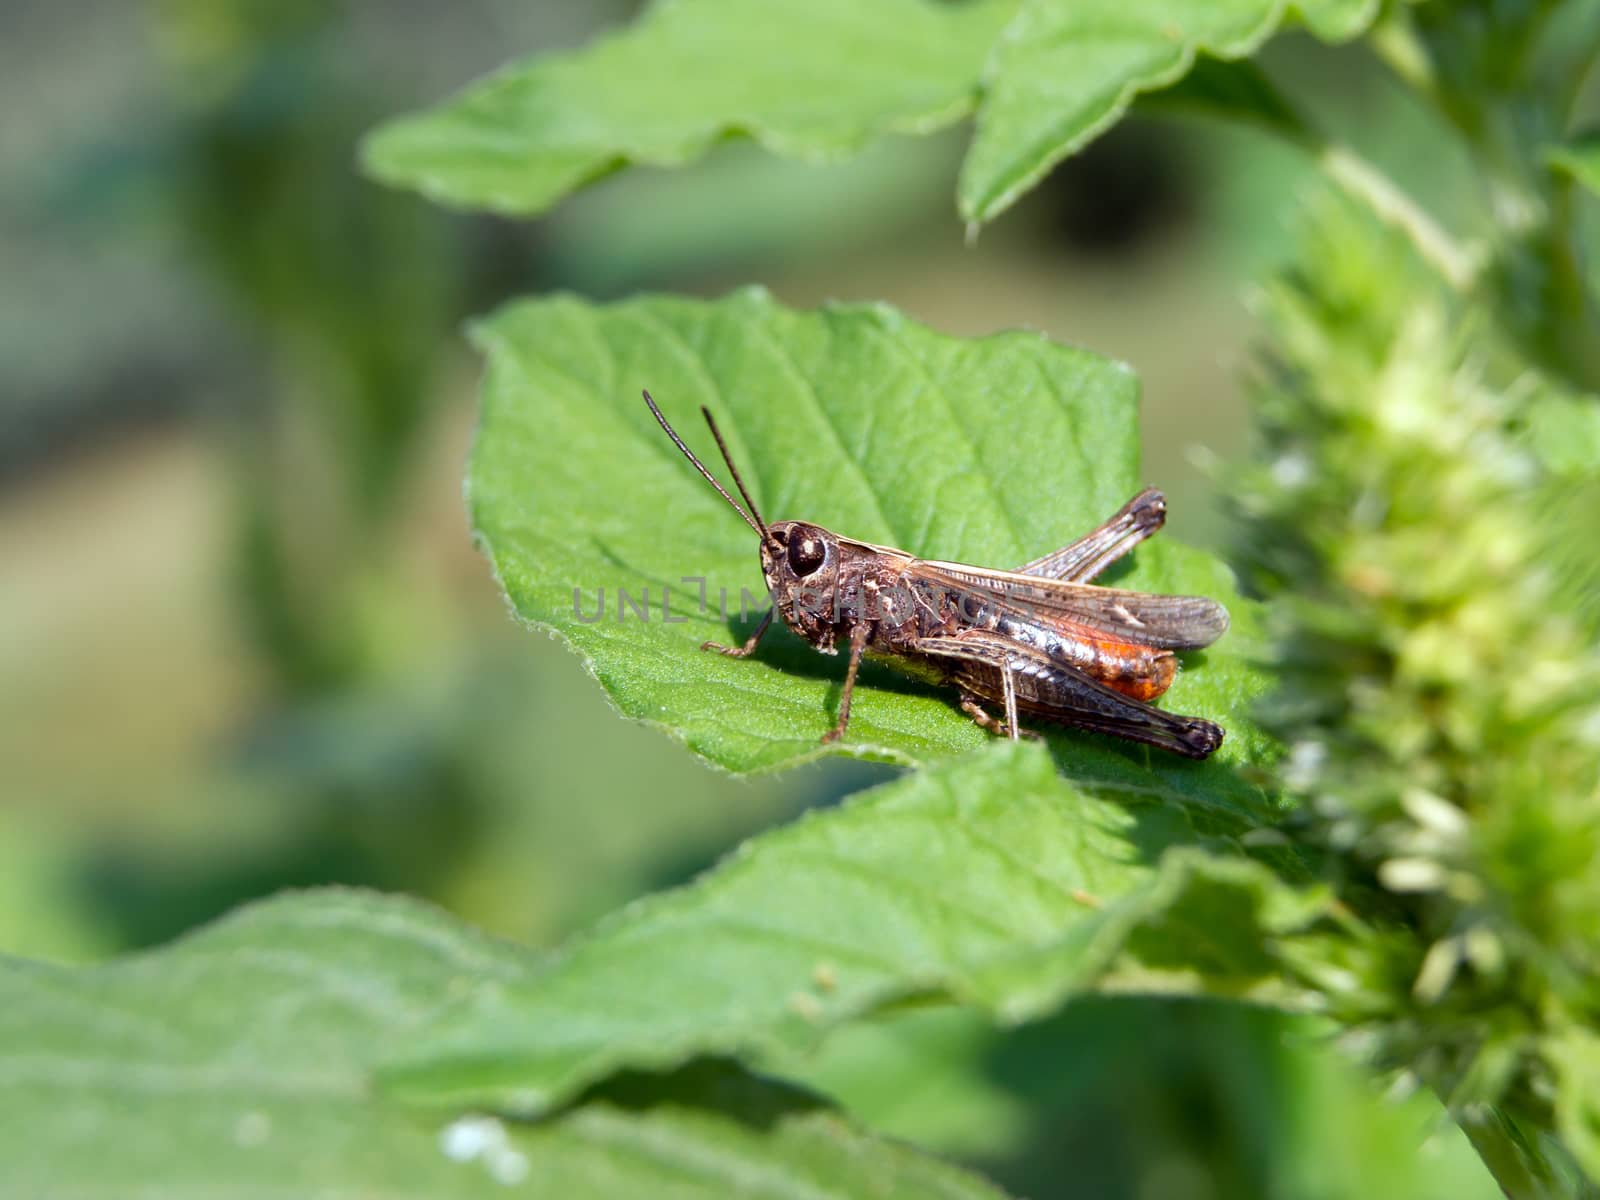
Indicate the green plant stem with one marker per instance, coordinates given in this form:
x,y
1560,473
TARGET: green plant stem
x,y
1516,1163
1395,42
1366,183
1574,326
1538,283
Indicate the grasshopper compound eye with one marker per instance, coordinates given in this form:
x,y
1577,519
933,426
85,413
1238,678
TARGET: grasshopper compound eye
x,y
806,552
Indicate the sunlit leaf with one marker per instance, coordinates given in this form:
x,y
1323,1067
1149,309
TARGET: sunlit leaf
x,y
989,452
990,881
1065,70
811,79
235,1064
819,81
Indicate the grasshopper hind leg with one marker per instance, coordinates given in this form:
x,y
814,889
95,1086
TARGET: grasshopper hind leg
x,y
1099,548
1059,693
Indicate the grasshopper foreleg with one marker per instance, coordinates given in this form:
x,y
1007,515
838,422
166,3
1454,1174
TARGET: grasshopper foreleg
x,y
858,645
749,646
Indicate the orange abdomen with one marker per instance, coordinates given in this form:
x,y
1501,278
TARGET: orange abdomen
x,y
1133,670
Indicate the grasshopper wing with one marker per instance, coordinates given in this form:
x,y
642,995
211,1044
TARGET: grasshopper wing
x,y
1142,618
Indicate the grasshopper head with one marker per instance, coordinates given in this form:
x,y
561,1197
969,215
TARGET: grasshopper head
x,y
800,561
801,564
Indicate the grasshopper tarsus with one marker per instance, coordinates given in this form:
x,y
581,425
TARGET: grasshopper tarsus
x,y
985,720
749,646
980,715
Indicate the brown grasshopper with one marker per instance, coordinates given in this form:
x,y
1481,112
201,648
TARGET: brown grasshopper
x,y
1040,640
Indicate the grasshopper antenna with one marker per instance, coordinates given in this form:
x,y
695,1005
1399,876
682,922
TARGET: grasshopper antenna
x,y
756,522
728,458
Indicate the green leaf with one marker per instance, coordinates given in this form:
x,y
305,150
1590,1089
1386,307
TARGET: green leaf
x,y
1528,1159
1066,70
819,81
944,1079
811,79
925,1074
1216,926
1231,91
989,452
1579,158
235,1064
990,881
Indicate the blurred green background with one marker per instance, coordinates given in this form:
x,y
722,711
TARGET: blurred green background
x,y
246,643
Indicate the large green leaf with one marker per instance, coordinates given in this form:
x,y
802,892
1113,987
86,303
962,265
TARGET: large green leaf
x,y
819,80
812,79
989,881
989,452
1065,70
236,1064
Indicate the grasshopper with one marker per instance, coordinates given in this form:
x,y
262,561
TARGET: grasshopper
x,y
1041,639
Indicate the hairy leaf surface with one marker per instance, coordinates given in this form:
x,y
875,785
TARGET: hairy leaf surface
x,y
990,881
810,79
819,81
235,1064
